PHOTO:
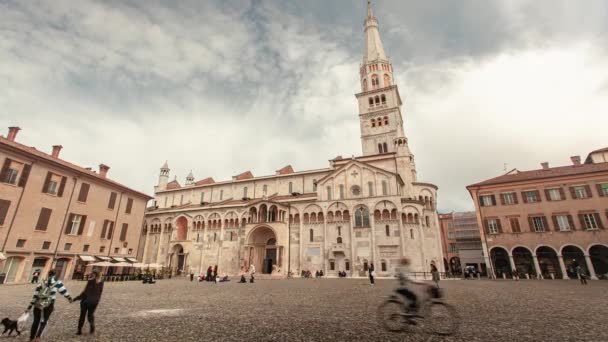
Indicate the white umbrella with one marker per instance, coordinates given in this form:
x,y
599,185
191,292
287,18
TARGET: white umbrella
x,y
138,265
122,264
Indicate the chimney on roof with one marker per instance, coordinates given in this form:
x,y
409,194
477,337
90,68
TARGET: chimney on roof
x,y
12,133
545,165
56,150
576,160
103,170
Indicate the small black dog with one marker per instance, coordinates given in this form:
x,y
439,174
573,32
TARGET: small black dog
x,y
10,326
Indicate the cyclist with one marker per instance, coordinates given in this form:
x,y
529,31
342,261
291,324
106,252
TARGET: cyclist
x,y
404,281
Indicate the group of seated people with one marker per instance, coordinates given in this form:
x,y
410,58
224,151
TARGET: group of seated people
x,y
217,279
341,274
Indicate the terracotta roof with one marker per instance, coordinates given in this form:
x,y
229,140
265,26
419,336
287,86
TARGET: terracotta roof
x,y
207,180
554,172
244,175
285,170
174,184
62,163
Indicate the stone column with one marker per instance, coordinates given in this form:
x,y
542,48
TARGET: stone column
x,y
537,266
325,253
160,243
372,224
401,234
562,266
512,262
590,267
352,243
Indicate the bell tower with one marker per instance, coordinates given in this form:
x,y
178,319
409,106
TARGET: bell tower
x,y
380,117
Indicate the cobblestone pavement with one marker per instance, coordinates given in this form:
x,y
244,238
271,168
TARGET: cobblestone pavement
x,y
322,310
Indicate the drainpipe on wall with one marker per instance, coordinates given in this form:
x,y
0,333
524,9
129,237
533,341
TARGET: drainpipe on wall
x,y
65,217
10,227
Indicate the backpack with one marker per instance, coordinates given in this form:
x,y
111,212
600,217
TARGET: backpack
x,y
44,296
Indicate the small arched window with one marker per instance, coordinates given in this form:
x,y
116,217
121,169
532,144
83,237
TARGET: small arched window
x,y
387,230
383,266
379,148
387,80
383,98
377,99
385,147
371,101
347,265
411,234
339,230
312,235
426,219
375,82
386,120
384,188
364,84
373,122
339,239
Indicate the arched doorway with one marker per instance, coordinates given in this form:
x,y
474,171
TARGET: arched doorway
x,y
500,260
548,262
38,265
179,258
182,228
599,259
61,266
573,256
524,262
12,268
262,249
455,265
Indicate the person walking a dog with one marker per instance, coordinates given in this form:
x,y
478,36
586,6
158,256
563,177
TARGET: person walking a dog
x,y
43,303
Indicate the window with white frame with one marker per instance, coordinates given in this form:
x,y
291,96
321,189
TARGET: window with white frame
x,y
580,192
604,189
531,196
562,223
590,221
554,195
493,226
508,198
75,224
451,235
538,224
486,201
11,176
52,188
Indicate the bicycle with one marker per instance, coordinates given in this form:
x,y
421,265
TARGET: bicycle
x,y
433,315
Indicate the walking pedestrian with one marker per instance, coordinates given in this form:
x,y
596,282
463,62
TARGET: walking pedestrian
x,y
209,272
252,273
214,273
191,276
35,276
582,274
372,273
43,303
89,299
435,274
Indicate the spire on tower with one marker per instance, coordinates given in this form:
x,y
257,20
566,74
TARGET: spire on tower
x,y
373,45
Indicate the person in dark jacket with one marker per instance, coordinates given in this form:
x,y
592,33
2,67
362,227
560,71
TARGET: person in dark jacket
x,y
89,299
371,270
43,303
209,273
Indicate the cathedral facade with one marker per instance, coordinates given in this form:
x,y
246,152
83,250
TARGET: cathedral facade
x,y
355,212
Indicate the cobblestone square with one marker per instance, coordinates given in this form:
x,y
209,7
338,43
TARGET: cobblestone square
x,y
321,310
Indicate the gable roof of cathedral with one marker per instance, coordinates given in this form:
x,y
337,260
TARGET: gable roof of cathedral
x,y
174,184
208,180
285,170
244,175
360,163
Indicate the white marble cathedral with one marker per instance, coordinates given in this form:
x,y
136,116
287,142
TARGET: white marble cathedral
x,y
357,211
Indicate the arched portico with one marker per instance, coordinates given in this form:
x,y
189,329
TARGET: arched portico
x,y
178,259
573,257
263,251
599,259
524,261
548,262
500,261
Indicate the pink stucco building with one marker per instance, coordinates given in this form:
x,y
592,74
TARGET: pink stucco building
x,y
543,222
57,214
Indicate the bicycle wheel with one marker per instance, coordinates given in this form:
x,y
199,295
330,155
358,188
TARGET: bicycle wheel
x,y
441,319
390,315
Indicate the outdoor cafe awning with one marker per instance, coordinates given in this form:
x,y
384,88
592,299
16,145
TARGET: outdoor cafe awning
x,y
87,258
104,258
119,259
131,259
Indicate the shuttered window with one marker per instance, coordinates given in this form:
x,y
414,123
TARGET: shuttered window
x,y
112,201
43,219
84,192
123,232
129,205
54,184
4,205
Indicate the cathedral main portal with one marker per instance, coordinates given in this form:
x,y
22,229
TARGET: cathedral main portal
x,y
262,251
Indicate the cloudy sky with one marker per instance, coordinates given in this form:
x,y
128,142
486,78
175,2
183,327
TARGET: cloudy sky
x,y
225,86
